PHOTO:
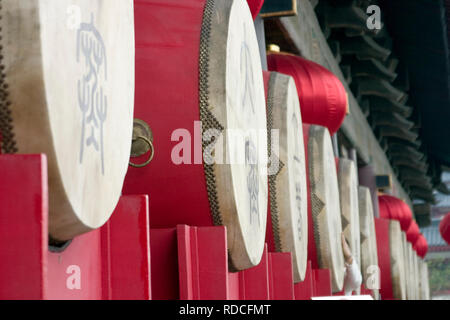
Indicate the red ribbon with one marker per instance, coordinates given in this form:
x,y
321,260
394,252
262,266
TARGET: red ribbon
x,y
323,99
396,209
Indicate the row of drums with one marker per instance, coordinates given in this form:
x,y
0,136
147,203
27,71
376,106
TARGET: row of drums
x,y
214,140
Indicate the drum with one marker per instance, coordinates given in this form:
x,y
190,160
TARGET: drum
x,y
424,281
287,229
201,118
416,276
325,206
369,255
67,91
348,195
411,273
398,275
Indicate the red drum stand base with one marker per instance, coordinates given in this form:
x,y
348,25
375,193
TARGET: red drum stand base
x,y
113,262
109,263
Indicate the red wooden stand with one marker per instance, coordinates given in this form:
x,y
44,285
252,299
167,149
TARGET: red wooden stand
x,y
384,258
113,262
110,263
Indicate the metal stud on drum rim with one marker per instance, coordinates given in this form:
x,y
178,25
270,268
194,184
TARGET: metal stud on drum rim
x,y
369,255
325,204
348,191
68,92
397,261
199,83
287,174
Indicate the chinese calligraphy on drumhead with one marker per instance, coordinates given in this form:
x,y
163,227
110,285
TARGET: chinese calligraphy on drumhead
x,y
92,99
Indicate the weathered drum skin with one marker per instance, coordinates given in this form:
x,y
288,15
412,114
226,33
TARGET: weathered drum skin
x,y
324,204
287,229
369,255
198,70
424,281
68,91
398,275
348,195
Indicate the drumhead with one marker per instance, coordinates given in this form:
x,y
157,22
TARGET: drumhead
x,y
237,190
287,179
325,204
69,67
348,191
424,281
369,255
397,261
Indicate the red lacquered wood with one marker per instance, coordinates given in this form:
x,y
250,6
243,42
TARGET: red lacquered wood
x,y
164,272
23,227
281,274
108,263
304,290
112,263
322,282
126,250
384,258
202,263
234,286
254,282
76,273
323,99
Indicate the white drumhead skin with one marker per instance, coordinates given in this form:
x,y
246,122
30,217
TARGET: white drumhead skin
x,y
397,261
290,189
348,191
325,204
369,254
241,183
70,68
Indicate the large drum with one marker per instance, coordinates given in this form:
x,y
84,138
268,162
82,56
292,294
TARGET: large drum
x,y
411,274
398,275
424,281
369,255
348,193
287,229
67,89
325,207
201,111
323,98
407,266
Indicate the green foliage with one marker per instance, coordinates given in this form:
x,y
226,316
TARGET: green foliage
x,y
439,273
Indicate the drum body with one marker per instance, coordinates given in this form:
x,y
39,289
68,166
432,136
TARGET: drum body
x,y
68,91
369,255
324,204
398,275
287,229
199,88
348,193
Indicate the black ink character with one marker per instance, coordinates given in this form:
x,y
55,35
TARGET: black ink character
x,y
91,98
252,180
